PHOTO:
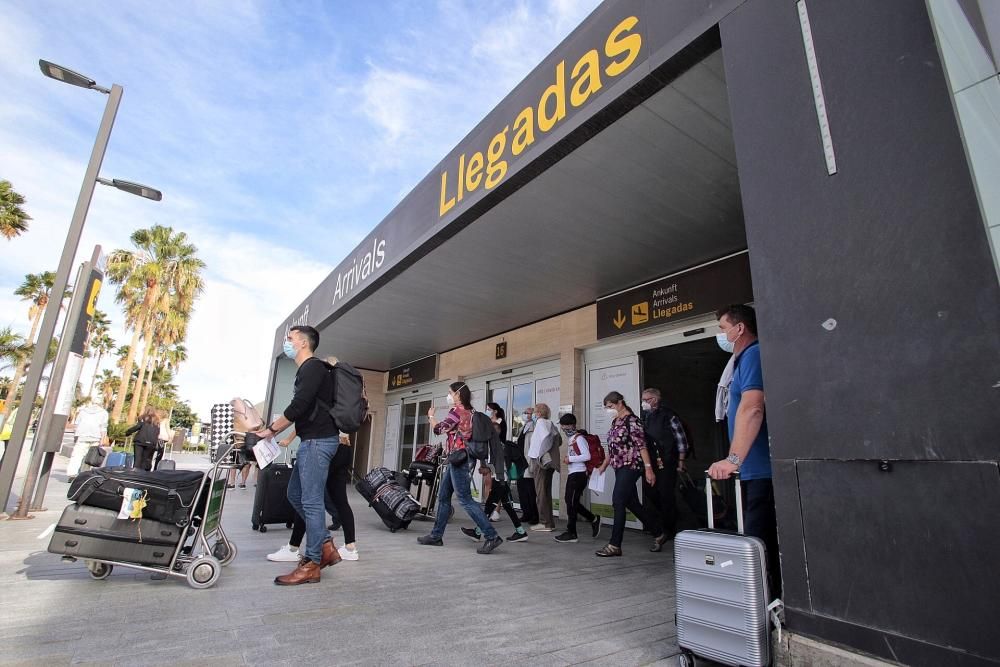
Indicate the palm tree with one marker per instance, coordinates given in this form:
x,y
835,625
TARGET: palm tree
x,y
101,345
108,385
169,328
36,289
98,326
11,347
13,219
163,267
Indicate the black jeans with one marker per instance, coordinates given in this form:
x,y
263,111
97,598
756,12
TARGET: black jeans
x,y
576,484
529,505
500,495
759,521
142,459
626,497
336,490
663,496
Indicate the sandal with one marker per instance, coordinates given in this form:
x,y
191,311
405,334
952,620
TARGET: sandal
x,y
658,543
609,551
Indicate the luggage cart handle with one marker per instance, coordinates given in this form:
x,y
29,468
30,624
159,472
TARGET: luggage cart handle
x,y
739,501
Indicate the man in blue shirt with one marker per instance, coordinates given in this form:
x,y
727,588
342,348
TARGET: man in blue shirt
x,y
749,448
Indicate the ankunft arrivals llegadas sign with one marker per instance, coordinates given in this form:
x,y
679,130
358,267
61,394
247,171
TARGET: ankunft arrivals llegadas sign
x,y
587,77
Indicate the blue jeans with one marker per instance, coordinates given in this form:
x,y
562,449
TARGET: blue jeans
x,y
307,490
458,480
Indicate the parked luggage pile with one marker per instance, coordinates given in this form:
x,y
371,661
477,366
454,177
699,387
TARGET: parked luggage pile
x,y
394,504
166,521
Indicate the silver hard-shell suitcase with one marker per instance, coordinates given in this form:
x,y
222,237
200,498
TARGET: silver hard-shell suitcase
x,y
722,593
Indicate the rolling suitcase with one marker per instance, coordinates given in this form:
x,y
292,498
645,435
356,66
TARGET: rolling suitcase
x,y
94,532
394,505
722,593
270,500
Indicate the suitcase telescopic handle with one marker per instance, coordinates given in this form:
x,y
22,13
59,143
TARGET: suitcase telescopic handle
x,y
739,501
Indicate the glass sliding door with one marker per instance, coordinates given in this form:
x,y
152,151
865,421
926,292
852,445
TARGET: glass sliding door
x,y
499,392
416,429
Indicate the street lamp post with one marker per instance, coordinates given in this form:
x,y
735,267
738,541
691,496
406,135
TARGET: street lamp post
x,y
8,469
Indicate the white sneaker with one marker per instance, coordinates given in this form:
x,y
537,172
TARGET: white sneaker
x,y
286,554
495,516
542,528
347,554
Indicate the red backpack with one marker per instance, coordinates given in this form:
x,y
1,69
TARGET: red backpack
x,y
597,454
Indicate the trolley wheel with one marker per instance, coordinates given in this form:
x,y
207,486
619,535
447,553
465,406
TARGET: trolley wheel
x,y
255,526
686,659
263,528
392,530
99,570
225,552
288,524
203,572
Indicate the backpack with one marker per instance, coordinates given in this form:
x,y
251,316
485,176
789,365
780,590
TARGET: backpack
x,y
597,453
246,419
348,405
483,434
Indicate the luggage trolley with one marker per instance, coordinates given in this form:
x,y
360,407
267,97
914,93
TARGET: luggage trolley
x,y
202,548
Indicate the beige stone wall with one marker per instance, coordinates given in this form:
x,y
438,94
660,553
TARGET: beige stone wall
x,y
562,337
375,384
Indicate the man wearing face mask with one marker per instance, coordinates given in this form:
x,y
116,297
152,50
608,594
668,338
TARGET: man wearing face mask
x,y
525,483
668,446
749,449
319,441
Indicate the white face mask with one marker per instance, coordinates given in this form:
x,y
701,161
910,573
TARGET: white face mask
x,y
646,406
451,401
611,412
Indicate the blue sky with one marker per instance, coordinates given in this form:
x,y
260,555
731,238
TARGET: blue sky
x,y
279,133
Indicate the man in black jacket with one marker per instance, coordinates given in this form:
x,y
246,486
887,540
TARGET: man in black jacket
x,y
319,440
668,444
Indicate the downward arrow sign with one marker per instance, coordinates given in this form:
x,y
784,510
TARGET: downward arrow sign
x,y
619,321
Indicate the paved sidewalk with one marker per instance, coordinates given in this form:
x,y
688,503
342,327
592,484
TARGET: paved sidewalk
x,y
539,603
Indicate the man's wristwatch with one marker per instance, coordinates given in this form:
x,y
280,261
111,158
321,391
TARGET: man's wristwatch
x,y
734,459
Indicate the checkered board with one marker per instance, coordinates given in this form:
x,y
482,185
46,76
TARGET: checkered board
x,y
221,426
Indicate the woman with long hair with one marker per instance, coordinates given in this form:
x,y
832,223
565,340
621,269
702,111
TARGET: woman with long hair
x,y
456,475
147,434
628,455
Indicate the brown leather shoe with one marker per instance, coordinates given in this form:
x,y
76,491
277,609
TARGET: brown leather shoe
x,y
330,555
307,572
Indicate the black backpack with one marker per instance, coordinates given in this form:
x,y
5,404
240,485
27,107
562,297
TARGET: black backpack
x,y
349,403
483,434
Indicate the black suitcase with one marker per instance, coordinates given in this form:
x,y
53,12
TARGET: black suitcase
x,y
394,505
270,501
94,532
170,493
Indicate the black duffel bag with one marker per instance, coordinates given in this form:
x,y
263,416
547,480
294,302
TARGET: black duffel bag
x,y
170,493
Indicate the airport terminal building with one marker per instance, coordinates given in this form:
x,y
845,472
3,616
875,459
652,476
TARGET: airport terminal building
x,y
835,163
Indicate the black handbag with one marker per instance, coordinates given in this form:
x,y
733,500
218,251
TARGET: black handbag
x,y
95,457
459,457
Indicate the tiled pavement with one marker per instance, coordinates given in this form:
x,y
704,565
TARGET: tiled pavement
x,y
534,603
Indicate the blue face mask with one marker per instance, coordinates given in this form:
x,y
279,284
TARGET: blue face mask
x,y
726,344
287,348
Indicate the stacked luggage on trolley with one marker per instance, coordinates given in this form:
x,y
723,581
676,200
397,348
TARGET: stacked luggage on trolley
x,y
424,472
166,522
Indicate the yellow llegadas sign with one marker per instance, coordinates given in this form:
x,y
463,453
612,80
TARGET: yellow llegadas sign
x,y
620,51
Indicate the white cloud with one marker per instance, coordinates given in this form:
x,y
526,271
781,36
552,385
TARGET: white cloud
x,y
279,135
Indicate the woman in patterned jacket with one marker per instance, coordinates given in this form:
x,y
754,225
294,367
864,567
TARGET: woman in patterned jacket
x,y
628,456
